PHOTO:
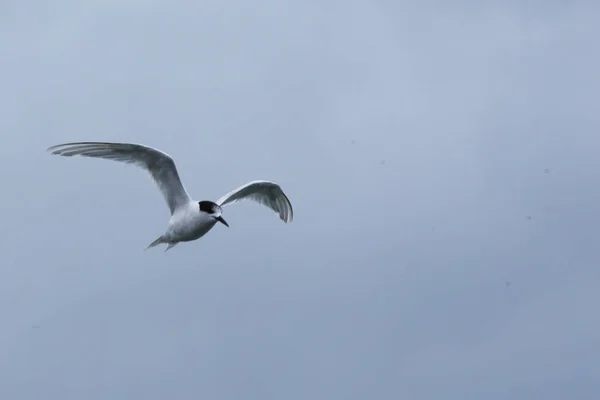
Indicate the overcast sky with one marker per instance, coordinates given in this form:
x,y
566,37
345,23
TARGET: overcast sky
x,y
432,152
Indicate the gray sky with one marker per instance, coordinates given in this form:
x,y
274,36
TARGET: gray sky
x,y
412,139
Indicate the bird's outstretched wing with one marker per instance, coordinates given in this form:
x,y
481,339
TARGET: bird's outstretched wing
x,y
160,165
263,192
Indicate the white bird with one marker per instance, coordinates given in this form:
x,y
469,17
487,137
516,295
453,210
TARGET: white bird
x,y
190,219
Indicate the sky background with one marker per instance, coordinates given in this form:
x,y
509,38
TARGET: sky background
x,y
412,139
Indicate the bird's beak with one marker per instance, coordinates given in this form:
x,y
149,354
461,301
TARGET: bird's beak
x,y
220,219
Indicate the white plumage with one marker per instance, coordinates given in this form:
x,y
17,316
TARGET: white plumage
x,y
190,219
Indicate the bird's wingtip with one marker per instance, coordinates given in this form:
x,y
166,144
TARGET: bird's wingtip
x,y
54,149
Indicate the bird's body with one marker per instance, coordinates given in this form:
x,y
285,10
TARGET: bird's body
x,y
190,219
186,225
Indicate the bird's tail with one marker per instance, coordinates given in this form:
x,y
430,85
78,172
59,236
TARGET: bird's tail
x,y
158,241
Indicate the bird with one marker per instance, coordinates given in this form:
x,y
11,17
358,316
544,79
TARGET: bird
x,y
190,219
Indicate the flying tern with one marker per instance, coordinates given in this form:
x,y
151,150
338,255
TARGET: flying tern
x,y
190,219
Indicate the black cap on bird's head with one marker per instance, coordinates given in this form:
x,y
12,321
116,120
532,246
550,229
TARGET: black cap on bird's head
x,y
213,209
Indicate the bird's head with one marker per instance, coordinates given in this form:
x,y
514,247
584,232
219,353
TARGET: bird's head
x,y
212,209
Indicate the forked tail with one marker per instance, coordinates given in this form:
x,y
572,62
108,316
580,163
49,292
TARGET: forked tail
x,y
159,241
156,242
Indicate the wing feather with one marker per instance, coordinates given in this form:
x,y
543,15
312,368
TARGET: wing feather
x,y
266,193
160,165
